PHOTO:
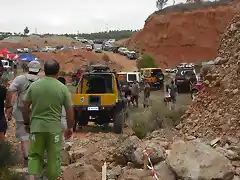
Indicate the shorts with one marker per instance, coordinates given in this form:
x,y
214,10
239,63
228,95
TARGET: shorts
x,y
3,125
21,133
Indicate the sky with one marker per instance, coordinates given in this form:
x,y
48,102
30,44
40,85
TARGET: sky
x,y
71,16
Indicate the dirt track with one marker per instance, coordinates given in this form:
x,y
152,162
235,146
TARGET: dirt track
x,y
127,65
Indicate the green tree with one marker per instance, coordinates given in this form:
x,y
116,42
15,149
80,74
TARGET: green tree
x,y
161,3
26,31
146,61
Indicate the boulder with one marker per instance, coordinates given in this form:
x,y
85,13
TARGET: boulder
x,y
135,174
84,172
124,152
164,171
157,153
194,160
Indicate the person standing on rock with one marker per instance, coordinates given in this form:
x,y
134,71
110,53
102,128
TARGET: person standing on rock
x,y
46,97
19,86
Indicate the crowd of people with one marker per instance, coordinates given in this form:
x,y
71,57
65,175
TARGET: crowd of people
x,y
44,117
133,90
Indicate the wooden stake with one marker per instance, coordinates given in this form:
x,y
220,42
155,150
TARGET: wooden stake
x,y
104,171
145,162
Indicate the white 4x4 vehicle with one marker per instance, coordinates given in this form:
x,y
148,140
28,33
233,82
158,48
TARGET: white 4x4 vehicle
x,y
6,64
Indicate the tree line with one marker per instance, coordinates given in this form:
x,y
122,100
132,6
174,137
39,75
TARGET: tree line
x,y
112,34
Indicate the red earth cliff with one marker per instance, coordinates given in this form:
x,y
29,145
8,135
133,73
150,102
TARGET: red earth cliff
x,y
183,36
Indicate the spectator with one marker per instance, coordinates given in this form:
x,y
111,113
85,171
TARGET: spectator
x,y
3,122
135,90
15,68
68,142
172,89
46,98
147,90
19,86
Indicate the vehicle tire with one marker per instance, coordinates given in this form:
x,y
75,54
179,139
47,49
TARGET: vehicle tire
x,y
118,122
194,94
75,127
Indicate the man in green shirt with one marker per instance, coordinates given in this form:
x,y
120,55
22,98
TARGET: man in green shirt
x,y
42,117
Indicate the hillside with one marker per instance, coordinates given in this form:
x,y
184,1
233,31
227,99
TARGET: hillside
x,y
184,35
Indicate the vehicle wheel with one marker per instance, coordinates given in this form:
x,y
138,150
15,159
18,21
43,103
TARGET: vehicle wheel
x,y
118,122
194,94
75,127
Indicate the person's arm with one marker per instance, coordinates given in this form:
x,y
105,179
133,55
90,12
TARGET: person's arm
x,y
69,109
26,107
14,87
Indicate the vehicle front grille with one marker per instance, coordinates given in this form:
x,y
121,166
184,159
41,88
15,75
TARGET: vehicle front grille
x,y
94,100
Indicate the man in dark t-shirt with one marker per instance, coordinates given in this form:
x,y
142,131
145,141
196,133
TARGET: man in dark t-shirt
x,y
3,122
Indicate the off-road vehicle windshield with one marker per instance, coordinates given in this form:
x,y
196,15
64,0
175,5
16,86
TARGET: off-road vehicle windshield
x,y
156,71
132,77
96,83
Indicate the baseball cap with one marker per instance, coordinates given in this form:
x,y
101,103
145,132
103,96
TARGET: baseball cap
x,y
34,66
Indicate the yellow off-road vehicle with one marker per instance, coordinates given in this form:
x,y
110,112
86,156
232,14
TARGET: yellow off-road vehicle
x,y
98,99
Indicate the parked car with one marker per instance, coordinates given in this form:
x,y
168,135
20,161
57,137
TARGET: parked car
x,y
185,76
121,50
26,50
98,50
115,49
6,64
19,50
132,55
89,48
195,88
125,52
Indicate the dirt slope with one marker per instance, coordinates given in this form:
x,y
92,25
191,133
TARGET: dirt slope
x,y
125,63
74,59
34,40
183,36
216,111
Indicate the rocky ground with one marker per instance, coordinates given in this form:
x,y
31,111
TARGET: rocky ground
x,y
173,157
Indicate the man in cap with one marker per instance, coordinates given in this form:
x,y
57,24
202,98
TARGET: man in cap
x,y
19,86
46,98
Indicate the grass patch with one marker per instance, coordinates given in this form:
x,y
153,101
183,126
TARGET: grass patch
x,y
158,116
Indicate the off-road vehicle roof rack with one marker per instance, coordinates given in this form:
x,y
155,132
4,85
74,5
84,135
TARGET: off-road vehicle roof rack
x,y
99,68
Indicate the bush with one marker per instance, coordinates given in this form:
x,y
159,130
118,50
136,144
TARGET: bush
x,y
156,117
106,58
62,73
69,74
8,158
146,61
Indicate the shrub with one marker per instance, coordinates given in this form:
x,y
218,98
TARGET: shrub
x,y
69,74
146,61
62,73
158,116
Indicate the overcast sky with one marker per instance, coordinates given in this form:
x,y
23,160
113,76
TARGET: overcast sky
x,y
85,16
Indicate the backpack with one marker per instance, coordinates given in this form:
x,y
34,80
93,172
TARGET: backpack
x,y
21,95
